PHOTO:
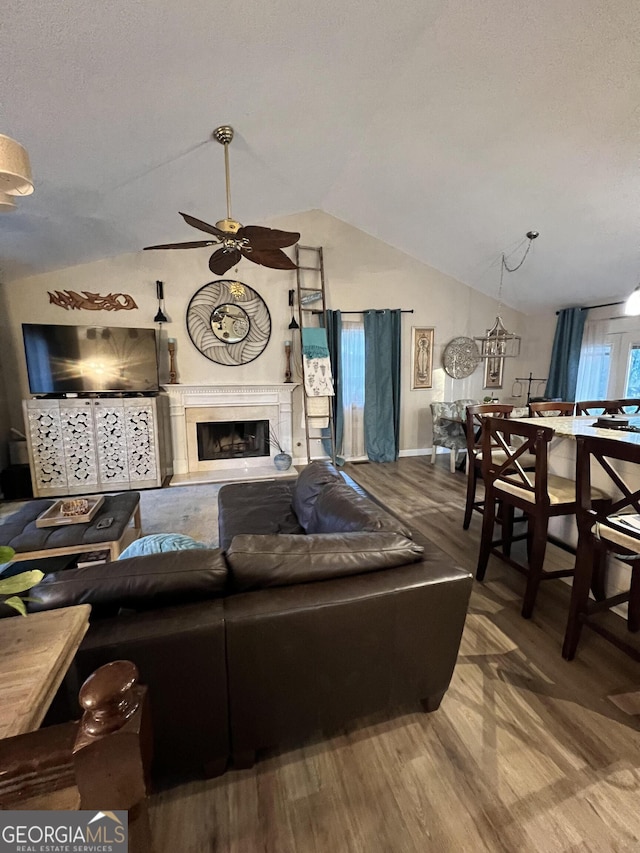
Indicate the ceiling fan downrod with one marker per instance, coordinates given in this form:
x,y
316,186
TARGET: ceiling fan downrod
x,y
224,135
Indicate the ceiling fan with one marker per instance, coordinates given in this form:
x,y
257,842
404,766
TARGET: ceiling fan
x,y
254,242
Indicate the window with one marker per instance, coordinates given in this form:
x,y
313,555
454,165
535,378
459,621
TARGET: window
x,y
593,374
632,383
352,376
352,360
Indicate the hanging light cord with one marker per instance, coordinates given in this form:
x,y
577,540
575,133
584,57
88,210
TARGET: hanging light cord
x,y
504,266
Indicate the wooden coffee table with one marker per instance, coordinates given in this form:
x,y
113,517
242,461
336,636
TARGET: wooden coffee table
x,y
37,651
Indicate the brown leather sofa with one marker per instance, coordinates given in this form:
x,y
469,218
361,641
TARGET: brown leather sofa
x,y
318,610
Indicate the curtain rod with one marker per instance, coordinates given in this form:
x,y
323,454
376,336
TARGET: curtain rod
x,y
604,305
379,311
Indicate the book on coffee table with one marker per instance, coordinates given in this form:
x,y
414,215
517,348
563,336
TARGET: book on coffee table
x,y
92,558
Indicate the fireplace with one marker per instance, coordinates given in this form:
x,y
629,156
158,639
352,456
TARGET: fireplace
x,y
232,439
236,446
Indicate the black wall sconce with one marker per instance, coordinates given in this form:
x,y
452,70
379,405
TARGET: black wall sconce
x,y
160,316
293,324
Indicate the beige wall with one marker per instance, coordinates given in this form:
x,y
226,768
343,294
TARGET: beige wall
x,y
361,272
5,416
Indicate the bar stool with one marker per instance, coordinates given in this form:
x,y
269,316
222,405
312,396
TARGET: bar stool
x,y
538,494
603,532
474,418
550,408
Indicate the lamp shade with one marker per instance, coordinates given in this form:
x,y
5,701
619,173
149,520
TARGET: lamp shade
x,y
7,204
15,169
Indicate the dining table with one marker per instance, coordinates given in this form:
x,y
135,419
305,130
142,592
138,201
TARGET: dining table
x,y
562,461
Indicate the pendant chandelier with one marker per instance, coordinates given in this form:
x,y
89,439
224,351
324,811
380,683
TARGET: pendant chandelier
x,y
499,342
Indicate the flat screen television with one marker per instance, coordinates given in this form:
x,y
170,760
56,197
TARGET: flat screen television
x,y
90,359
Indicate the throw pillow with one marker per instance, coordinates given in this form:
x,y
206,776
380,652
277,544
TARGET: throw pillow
x,y
257,562
309,484
157,543
339,509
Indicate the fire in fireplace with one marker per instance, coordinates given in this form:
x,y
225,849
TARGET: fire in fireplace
x,y
232,439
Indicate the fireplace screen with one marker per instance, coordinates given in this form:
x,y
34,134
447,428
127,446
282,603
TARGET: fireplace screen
x,y
232,439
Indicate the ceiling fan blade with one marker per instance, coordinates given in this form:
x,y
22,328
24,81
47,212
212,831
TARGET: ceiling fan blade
x,y
273,258
221,261
203,226
268,238
196,245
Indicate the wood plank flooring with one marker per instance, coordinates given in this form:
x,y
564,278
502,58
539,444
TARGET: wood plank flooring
x,y
527,752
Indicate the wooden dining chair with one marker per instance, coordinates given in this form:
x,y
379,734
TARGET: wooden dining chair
x,y
473,428
538,494
611,530
629,406
551,408
599,407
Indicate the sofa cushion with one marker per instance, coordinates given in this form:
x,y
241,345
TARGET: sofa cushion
x,y
157,543
308,486
339,509
260,507
257,562
139,583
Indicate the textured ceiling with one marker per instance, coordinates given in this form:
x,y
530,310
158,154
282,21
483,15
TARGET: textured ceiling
x,y
447,128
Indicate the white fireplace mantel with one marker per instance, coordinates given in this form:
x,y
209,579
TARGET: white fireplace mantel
x,y
239,395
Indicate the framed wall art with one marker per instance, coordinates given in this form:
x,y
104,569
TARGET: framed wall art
x,y
493,369
421,357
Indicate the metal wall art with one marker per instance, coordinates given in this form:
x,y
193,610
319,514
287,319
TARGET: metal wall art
x,y
460,357
228,322
421,357
92,301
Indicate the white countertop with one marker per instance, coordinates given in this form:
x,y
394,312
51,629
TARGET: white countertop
x,y
583,425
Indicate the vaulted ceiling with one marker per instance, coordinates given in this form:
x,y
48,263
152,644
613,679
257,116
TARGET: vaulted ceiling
x,y
447,128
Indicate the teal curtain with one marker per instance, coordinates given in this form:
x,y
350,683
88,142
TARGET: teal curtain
x,y
565,356
333,321
382,384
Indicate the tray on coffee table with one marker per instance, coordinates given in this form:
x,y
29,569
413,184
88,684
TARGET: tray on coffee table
x,y
53,516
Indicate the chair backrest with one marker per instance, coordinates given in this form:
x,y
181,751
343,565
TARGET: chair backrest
x,y
474,420
443,429
551,408
600,453
629,406
599,407
531,439
461,406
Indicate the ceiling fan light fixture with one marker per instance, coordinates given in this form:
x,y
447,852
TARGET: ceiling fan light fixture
x,y
15,168
234,241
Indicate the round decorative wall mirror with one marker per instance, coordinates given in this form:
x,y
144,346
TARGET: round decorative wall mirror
x,y
228,322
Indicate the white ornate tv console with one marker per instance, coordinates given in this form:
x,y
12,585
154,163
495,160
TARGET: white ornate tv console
x,y
79,446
